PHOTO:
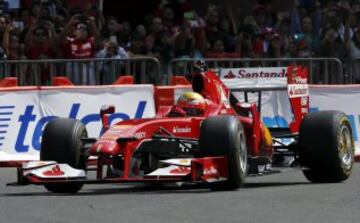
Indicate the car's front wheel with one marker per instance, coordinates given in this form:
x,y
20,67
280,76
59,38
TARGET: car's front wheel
x,y
224,136
61,142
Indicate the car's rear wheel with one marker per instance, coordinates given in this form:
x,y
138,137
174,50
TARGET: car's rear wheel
x,y
326,147
224,136
61,142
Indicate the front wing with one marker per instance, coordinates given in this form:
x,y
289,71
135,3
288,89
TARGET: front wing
x,y
207,169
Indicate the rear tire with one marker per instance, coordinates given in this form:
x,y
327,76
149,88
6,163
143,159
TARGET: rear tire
x,y
326,147
61,142
224,136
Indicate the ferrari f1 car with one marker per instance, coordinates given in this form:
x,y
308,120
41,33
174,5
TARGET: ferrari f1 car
x,y
208,137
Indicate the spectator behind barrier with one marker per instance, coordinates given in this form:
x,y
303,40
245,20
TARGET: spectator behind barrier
x,y
13,47
112,29
353,45
160,45
40,43
276,47
110,70
175,30
310,36
217,51
80,39
184,42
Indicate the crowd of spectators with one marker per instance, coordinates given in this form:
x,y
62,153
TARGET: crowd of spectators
x,y
39,29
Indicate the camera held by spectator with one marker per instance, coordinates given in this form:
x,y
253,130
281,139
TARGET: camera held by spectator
x,y
112,50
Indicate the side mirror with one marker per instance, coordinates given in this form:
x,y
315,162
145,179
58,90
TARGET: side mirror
x,y
107,109
104,112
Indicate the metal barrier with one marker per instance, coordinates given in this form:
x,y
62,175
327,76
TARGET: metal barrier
x,y
352,67
149,69
82,71
322,70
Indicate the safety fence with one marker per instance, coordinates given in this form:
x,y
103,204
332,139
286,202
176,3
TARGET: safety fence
x,y
353,68
81,71
150,70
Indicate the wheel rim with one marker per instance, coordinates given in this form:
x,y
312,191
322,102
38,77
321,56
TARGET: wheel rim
x,y
243,153
346,151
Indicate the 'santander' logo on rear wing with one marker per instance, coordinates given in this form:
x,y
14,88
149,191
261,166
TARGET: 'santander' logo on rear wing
x,y
248,73
264,78
255,78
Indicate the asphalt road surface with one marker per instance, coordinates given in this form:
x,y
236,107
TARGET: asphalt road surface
x,y
284,197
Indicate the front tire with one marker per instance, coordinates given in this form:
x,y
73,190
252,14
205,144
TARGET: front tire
x,y
61,142
224,136
326,147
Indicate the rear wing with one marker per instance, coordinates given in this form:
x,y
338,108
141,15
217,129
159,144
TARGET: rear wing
x,y
293,79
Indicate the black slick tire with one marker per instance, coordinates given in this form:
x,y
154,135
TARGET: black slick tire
x,y
61,142
326,149
224,136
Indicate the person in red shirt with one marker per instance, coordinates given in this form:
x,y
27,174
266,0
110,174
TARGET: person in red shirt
x,y
40,44
80,40
217,51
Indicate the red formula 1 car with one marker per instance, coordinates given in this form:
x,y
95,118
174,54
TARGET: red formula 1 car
x,y
207,137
